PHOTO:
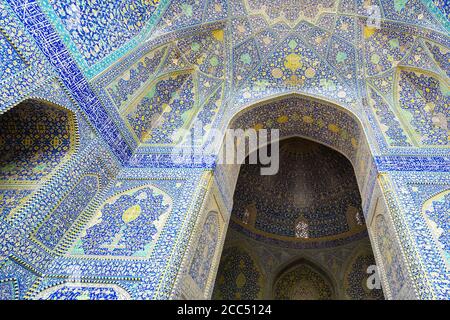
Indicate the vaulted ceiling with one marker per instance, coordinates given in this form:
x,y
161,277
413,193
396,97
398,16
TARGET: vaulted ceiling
x,y
158,67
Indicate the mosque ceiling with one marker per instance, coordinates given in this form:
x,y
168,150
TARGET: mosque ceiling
x,y
146,71
142,72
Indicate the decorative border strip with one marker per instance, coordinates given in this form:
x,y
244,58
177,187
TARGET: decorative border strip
x,y
414,264
411,163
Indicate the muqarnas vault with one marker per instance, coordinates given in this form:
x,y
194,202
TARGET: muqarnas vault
x,y
95,96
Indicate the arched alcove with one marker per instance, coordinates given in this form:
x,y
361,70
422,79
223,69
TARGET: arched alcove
x,y
311,206
36,138
310,118
239,275
303,280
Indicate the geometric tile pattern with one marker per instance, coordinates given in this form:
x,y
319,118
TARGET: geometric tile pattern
x,y
314,184
426,102
302,283
104,60
344,269
35,137
242,282
437,213
356,278
391,255
98,28
204,254
58,223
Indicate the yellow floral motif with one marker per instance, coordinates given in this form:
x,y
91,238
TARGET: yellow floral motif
x,y
55,142
258,126
282,119
344,134
308,119
27,141
293,62
333,128
41,127
132,213
310,72
166,108
429,106
200,60
277,73
146,136
369,31
295,81
354,143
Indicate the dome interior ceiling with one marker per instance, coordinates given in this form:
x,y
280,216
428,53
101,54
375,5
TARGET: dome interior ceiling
x,y
315,189
160,67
